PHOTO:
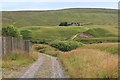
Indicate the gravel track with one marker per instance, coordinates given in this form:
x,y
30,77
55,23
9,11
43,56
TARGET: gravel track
x,y
57,69
45,67
32,70
74,36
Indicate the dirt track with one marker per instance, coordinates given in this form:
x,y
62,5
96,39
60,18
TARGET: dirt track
x,y
45,67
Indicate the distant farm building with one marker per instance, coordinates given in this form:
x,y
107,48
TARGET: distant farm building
x,y
69,24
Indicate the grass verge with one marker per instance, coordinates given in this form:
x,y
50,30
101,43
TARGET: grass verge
x,y
13,63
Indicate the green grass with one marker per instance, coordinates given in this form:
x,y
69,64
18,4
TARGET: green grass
x,y
100,32
97,40
53,18
45,28
49,33
53,32
112,29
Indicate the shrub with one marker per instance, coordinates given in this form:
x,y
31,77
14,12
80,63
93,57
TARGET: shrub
x,y
10,31
65,45
26,34
40,41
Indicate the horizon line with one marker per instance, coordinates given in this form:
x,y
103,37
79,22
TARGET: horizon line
x,y
56,9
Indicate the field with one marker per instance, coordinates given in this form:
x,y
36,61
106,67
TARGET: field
x,y
88,61
92,60
96,57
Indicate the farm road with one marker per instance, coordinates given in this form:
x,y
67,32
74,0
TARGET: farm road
x,y
45,67
74,36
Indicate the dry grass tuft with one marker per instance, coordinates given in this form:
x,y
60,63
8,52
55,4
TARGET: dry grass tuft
x,y
89,63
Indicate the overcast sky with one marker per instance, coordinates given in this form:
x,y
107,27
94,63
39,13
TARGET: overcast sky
x,y
12,6
59,0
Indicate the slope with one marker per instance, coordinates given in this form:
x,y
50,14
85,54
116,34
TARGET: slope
x,y
54,17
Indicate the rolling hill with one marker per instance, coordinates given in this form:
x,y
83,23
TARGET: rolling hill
x,y
44,24
54,17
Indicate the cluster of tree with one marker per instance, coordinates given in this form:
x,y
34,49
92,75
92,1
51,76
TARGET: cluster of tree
x,y
14,32
69,24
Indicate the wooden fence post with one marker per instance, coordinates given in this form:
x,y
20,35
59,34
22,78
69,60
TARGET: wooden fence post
x,y
1,47
10,44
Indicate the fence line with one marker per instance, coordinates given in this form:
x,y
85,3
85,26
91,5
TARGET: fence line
x,y
12,44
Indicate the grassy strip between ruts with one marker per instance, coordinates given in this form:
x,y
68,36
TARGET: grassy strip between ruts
x,y
89,61
14,62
